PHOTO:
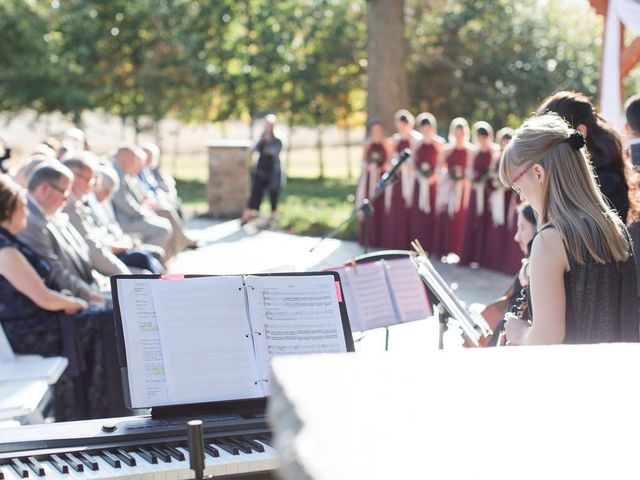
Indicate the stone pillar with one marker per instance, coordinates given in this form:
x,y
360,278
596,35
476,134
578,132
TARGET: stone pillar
x,y
228,186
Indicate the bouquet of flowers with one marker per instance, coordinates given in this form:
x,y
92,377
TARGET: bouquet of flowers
x,y
425,170
375,158
456,173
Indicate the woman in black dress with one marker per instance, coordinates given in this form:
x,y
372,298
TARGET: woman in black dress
x,y
266,174
38,319
583,286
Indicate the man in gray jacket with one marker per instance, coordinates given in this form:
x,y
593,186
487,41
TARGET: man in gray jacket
x,y
102,258
48,189
135,218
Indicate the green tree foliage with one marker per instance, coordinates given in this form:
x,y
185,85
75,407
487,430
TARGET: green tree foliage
x,y
210,60
494,60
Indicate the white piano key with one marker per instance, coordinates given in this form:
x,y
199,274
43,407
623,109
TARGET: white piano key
x,y
9,473
144,470
269,457
182,466
107,471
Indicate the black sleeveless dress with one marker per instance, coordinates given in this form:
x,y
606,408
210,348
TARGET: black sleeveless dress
x,y
602,302
90,387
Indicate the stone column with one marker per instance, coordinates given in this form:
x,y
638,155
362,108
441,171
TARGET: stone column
x,y
228,186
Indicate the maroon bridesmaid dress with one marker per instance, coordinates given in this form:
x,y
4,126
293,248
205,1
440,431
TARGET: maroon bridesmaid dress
x,y
395,230
476,224
423,222
375,154
450,226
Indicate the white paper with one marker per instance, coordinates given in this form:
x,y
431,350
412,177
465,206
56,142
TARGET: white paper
x,y
294,315
206,341
407,290
145,361
368,297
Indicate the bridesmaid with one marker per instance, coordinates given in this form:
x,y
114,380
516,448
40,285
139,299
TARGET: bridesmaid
x,y
512,258
397,198
375,159
451,203
422,216
477,243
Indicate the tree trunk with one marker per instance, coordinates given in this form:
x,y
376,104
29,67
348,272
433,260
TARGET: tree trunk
x,y
387,89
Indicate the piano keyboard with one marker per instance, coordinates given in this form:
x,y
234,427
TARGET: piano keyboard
x,y
137,448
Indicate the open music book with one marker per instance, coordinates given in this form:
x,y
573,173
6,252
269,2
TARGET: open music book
x,y
211,338
383,293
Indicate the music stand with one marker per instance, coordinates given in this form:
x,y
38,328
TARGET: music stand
x,y
473,325
385,255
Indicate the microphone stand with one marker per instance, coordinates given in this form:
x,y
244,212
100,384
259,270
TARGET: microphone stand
x,y
365,207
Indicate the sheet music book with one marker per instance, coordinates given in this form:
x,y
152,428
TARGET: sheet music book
x,y
211,338
383,293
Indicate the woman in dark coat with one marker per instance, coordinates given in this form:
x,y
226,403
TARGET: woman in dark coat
x,y
266,173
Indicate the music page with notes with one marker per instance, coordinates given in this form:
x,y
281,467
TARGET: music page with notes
x,y
293,315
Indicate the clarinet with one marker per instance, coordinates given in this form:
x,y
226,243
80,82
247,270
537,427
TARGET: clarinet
x,y
519,309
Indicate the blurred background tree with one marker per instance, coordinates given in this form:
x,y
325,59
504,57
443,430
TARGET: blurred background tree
x,y
212,60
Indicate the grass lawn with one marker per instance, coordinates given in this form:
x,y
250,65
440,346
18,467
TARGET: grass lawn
x,y
308,206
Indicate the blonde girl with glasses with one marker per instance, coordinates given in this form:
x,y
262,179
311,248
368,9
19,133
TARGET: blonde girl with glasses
x,y
583,286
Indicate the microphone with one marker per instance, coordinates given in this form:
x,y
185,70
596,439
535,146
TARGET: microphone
x,y
390,176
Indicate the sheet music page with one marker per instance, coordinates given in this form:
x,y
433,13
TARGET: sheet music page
x,y
370,293
205,337
407,290
294,315
145,362
350,300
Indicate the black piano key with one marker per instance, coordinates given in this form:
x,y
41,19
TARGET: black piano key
x,y
175,453
264,439
125,457
146,454
88,461
110,458
211,450
233,450
254,445
73,462
58,464
1,474
243,447
36,466
20,468
161,454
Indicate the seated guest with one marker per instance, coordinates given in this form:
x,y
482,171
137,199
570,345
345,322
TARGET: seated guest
x,y
155,198
38,319
131,184
102,259
583,286
135,218
162,186
130,251
61,245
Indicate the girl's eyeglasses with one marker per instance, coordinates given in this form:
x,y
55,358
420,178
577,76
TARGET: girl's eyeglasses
x,y
515,189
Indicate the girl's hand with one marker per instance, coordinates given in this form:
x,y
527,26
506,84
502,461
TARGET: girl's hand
x,y
515,329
